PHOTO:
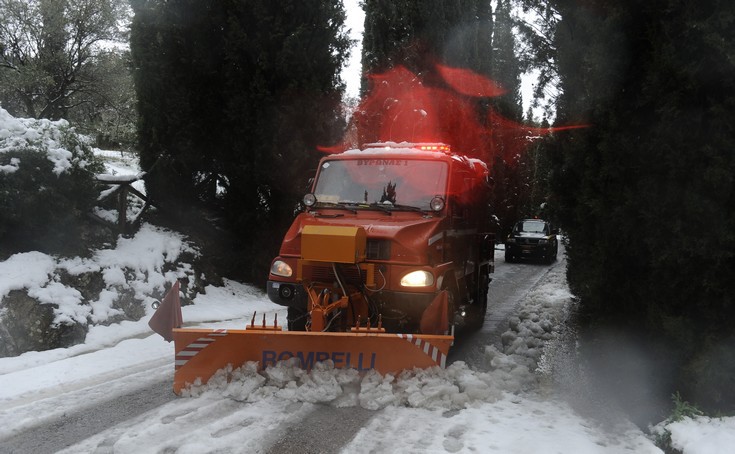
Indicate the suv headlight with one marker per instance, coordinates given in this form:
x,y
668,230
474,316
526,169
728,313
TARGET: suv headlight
x,y
543,241
281,268
418,278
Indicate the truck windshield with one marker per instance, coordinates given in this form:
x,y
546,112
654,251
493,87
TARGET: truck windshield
x,y
388,182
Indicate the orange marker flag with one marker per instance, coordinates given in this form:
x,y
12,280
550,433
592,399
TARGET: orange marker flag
x,y
168,315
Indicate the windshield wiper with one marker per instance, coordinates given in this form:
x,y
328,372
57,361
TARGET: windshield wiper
x,y
322,215
384,208
339,206
408,208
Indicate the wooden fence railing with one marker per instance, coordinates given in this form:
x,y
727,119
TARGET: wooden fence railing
x,y
122,186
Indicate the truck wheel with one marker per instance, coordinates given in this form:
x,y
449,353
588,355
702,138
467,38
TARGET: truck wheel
x,y
477,314
296,319
509,257
552,255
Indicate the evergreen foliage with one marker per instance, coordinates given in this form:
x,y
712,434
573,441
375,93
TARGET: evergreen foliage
x,y
646,194
235,96
418,34
506,68
43,207
56,62
514,195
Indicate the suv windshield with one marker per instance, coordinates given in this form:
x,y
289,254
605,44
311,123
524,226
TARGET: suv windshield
x,y
531,227
385,181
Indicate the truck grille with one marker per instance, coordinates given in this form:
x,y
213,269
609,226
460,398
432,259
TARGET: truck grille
x,y
377,249
527,240
325,273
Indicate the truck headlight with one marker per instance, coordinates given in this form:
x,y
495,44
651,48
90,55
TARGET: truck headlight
x,y
543,241
281,268
437,203
309,200
511,240
418,278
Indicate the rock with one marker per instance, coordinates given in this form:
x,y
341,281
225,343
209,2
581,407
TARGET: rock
x,y
133,308
26,324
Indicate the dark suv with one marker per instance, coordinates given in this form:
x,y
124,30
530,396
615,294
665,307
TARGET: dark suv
x,y
532,238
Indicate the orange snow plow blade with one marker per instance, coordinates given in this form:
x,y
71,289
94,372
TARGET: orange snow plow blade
x,y
201,352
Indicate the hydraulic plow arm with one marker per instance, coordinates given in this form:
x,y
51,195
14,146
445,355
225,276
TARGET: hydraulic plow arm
x,y
202,352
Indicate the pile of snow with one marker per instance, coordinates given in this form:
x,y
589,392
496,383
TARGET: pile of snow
x,y
136,264
701,434
512,370
43,136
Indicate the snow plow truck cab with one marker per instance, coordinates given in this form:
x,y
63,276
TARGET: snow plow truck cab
x,y
400,230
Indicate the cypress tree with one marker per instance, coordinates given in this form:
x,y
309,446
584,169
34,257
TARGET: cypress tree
x,y
176,49
514,171
646,193
506,68
419,34
284,99
235,96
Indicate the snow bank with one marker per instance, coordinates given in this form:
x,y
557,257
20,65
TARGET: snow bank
x,y
703,435
43,136
136,263
25,270
452,388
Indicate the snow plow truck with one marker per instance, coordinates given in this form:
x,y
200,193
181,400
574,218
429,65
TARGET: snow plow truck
x,y
389,257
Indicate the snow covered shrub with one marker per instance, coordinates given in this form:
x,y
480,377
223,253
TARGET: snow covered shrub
x,y
47,183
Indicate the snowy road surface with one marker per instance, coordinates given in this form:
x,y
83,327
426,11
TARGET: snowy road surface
x,y
113,394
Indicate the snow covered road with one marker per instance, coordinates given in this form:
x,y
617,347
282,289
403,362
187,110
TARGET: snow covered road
x,y
117,398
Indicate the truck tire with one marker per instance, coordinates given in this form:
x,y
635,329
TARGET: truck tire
x,y
478,309
476,316
552,255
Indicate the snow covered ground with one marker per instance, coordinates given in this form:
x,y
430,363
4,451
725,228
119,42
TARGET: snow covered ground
x,y
512,407
506,409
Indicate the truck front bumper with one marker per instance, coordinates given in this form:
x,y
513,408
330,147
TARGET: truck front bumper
x,y
535,251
